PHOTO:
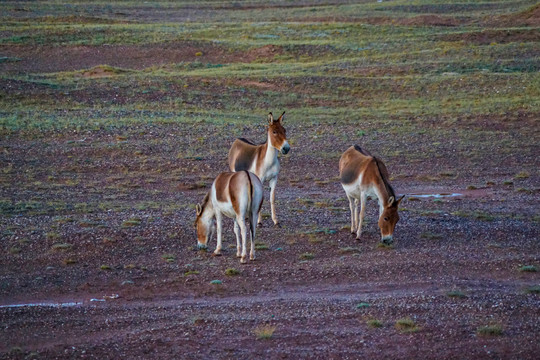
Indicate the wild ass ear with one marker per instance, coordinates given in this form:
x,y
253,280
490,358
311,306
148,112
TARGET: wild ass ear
x,y
391,200
270,118
199,209
399,200
281,118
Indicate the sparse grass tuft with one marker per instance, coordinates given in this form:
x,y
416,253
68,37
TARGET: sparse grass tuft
x,y
522,175
69,261
14,250
191,272
431,236
105,267
490,330
528,268
168,257
132,222
261,246
307,256
406,325
383,246
348,250
373,323
363,305
61,246
456,294
232,272
216,282
535,289
264,332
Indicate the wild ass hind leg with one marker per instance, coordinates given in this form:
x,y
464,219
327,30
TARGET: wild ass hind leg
x,y
351,207
252,230
217,252
237,233
243,231
362,213
273,183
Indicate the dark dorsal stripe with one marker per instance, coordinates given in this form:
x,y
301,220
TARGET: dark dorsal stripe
x,y
361,151
384,176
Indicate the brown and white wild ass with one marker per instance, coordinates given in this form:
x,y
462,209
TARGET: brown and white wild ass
x,y
363,175
262,160
236,195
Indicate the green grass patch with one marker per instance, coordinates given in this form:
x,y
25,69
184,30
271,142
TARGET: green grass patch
x,y
456,294
131,222
261,246
232,272
374,323
170,258
489,330
307,256
363,305
105,267
528,268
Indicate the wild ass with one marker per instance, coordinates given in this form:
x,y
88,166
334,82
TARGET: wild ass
x,y
363,175
262,160
235,195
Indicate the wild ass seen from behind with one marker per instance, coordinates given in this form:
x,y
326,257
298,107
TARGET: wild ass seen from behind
x,y
235,195
262,160
363,175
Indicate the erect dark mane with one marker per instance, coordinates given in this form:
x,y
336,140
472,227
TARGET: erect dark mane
x,y
250,142
384,175
361,151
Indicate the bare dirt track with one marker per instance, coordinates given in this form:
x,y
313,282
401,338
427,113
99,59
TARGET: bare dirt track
x,y
98,250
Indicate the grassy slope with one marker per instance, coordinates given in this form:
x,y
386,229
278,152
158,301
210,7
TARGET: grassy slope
x,y
371,68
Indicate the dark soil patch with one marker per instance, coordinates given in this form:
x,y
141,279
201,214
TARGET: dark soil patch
x,y
496,36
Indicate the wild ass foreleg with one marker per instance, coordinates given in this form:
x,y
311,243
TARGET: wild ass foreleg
x,y
273,183
363,198
237,233
217,252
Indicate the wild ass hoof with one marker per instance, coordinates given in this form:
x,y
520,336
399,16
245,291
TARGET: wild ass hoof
x,y
243,260
278,225
252,257
217,253
259,225
238,254
202,247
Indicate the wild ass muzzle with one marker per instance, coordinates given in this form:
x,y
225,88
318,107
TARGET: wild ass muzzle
x,y
262,160
238,196
363,176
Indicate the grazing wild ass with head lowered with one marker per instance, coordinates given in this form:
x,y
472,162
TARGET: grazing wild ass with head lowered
x,y
236,195
262,160
363,175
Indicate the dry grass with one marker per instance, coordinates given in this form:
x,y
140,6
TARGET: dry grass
x,y
264,332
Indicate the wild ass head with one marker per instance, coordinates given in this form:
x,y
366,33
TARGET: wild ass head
x,y
204,223
277,133
388,219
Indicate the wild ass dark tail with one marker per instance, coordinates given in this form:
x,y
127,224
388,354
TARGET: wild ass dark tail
x,y
250,204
